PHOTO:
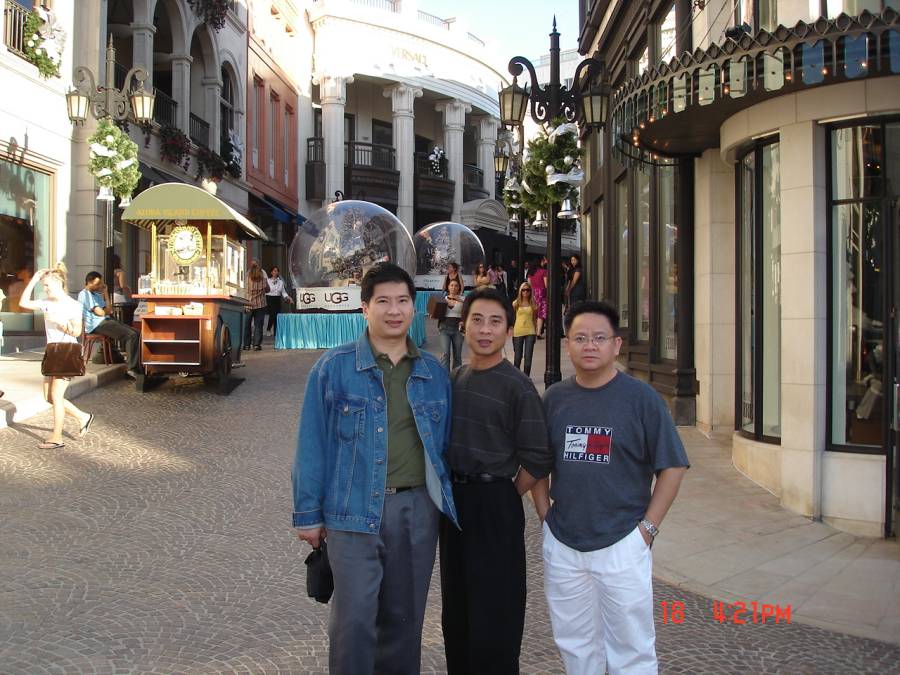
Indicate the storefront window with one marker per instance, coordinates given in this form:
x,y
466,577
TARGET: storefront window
x,y
24,240
668,276
864,167
642,250
622,260
759,340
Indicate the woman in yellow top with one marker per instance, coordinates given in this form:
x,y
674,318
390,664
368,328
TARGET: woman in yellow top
x,y
481,276
525,328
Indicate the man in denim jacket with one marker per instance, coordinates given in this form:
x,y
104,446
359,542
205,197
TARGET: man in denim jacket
x,y
369,475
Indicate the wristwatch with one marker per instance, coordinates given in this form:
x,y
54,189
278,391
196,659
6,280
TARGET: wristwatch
x,y
652,529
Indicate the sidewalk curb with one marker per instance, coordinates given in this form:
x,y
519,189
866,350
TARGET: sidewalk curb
x,y
21,410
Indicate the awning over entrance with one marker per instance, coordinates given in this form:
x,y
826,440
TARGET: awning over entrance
x,y
487,213
171,202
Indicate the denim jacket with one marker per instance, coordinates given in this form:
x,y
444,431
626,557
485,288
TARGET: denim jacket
x,y
340,466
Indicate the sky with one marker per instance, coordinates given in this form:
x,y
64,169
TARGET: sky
x,y
515,27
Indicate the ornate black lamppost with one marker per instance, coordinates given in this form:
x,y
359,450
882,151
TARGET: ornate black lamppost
x,y
589,108
106,101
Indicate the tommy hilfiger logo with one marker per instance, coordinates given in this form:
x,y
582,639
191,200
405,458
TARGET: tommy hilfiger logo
x,y
588,444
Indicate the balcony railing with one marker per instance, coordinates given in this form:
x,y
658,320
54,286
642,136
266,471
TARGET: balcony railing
x,y
389,5
199,131
164,109
425,168
472,176
369,154
15,16
315,149
434,20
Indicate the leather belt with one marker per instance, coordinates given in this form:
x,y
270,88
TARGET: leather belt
x,y
393,491
477,478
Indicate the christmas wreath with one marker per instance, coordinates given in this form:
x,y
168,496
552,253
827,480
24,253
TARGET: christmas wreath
x,y
44,42
553,151
114,160
175,146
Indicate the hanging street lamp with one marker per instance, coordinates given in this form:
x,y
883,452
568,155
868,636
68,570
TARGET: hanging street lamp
x,y
109,102
589,109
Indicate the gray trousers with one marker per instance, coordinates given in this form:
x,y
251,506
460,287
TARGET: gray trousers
x,y
380,587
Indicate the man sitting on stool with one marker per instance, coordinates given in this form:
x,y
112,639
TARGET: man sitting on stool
x,y
96,310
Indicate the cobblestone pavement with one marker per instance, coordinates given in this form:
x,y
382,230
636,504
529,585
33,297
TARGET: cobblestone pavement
x,y
160,543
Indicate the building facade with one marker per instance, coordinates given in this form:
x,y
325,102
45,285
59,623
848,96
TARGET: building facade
x,y
742,205
391,84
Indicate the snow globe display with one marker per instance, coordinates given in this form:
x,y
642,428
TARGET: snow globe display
x,y
439,244
337,245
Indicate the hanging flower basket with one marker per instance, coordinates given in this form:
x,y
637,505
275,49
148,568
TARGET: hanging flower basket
x,y
175,147
44,42
114,161
210,165
212,12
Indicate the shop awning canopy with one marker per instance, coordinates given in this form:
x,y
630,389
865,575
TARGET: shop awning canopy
x,y
170,203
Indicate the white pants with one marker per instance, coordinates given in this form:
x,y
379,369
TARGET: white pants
x,y
601,606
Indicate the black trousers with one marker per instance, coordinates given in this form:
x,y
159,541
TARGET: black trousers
x,y
273,304
483,580
255,320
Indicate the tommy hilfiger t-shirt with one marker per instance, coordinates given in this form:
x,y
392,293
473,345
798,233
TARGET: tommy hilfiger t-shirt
x,y
608,443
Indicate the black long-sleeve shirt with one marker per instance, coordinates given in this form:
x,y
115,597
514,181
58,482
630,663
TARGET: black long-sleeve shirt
x,y
498,423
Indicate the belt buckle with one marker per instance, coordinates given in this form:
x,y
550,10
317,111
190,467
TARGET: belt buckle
x,y
390,491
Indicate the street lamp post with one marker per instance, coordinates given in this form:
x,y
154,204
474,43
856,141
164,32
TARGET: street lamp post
x,y
108,102
547,103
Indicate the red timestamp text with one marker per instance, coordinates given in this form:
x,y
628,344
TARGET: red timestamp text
x,y
737,613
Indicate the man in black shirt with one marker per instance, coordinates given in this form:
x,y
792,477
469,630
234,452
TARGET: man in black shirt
x,y
498,451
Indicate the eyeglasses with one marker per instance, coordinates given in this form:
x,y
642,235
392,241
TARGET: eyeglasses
x,y
598,340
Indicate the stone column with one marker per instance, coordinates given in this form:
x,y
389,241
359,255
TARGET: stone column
x,y
212,93
714,241
181,91
333,95
454,112
142,51
487,143
402,103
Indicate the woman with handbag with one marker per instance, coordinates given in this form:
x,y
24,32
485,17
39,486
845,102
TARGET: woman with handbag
x,y
62,356
448,327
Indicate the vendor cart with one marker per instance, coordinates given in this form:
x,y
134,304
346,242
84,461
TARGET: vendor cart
x,y
194,298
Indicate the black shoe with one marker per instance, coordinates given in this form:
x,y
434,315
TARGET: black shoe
x,y
246,348
257,348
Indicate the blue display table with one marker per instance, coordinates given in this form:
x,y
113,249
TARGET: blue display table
x,y
330,329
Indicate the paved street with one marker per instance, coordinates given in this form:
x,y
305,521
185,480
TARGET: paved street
x,y
161,543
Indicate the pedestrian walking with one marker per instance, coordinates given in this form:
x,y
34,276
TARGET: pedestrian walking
x,y
576,288
63,325
538,281
513,281
256,292
448,328
96,316
611,434
369,476
525,328
274,294
498,449
502,279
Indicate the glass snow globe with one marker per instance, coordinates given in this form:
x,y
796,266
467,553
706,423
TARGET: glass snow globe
x,y
340,242
438,245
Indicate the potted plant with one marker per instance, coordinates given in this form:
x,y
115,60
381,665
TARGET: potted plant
x,y
175,146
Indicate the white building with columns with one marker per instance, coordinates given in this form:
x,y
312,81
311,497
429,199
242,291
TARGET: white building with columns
x,y
394,83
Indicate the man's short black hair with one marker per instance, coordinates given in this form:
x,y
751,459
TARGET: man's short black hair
x,y
492,294
384,273
592,307
90,276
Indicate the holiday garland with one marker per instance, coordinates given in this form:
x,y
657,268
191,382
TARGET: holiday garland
x,y
114,159
44,42
548,154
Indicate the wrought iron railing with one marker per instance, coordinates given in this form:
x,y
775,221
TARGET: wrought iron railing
x,y
434,20
315,149
369,154
472,176
164,109
14,19
425,167
199,131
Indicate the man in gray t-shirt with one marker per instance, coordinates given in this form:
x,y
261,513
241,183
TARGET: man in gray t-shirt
x,y
610,434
